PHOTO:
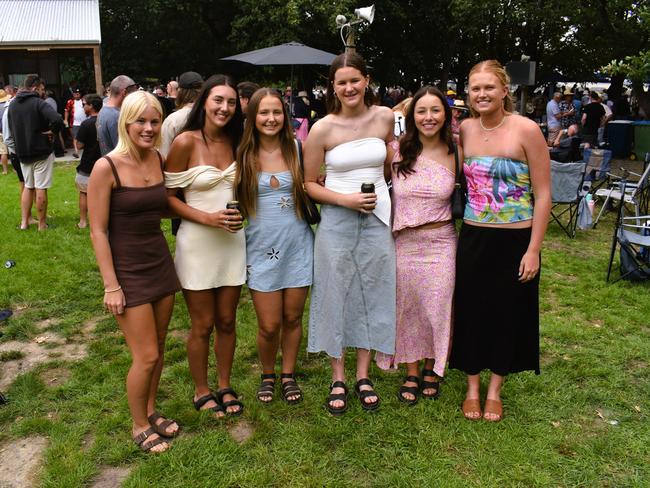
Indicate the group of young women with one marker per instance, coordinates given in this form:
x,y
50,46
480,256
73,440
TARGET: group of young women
x,y
386,271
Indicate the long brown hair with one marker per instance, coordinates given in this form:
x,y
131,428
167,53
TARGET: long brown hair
x,y
352,60
410,145
248,152
497,69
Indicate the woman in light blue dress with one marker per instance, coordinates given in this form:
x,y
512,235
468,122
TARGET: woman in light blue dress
x,y
279,242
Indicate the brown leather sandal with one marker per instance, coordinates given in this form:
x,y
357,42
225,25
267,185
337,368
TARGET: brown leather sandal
x,y
141,440
161,428
472,405
494,407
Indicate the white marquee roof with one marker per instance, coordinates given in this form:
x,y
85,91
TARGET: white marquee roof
x,y
49,22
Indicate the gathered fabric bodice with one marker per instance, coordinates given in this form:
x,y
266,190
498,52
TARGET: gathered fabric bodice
x,y
352,163
206,188
498,190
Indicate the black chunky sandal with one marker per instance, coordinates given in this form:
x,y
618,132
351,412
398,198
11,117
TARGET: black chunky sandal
x,y
425,384
232,403
413,390
267,388
161,428
337,396
363,394
142,442
199,402
290,389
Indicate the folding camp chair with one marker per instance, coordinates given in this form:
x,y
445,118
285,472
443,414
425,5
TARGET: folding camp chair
x,y
599,163
566,194
635,194
632,236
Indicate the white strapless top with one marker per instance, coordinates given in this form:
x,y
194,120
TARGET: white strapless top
x,y
360,161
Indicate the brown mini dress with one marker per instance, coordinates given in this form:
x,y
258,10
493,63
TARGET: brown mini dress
x,y
143,264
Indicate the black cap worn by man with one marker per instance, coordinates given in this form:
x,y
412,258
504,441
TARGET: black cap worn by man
x,y
189,80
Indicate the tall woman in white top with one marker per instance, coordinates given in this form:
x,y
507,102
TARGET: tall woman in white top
x,y
210,245
353,297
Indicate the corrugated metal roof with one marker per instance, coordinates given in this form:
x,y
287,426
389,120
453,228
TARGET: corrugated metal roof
x,y
35,22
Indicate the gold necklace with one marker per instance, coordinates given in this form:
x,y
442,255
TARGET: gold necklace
x,y
490,129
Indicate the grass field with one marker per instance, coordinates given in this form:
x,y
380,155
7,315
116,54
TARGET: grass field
x,y
584,422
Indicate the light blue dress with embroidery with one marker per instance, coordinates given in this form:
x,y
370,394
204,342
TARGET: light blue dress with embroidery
x,y
279,245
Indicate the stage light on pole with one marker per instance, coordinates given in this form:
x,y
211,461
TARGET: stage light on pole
x,y
347,29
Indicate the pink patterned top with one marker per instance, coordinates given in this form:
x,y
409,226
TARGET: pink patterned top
x,y
424,196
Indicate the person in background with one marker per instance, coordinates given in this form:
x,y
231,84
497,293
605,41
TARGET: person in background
x,y
34,125
245,89
270,192
126,198
593,116
567,110
172,92
553,117
507,168
74,115
86,139
399,112
451,97
458,113
189,86
4,151
108,116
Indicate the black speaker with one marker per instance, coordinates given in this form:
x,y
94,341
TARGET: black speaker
x,y
521,73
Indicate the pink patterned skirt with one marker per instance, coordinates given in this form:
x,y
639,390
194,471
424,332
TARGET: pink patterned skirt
x,y
426,273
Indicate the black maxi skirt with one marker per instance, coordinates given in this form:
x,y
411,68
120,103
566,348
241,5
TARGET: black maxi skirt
x,y
496,323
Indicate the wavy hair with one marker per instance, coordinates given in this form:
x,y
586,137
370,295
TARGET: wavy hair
x,y
493,66
196,118
410,146
132,108
248,157
352,60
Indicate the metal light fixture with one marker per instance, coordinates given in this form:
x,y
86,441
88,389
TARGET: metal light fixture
x,y
365,14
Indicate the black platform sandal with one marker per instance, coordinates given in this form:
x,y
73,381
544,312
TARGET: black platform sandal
x,y
363,394
290,389
232,403
337,396
267,388
413,390
199,402
426,385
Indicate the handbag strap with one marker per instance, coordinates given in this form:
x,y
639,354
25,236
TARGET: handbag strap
x,y
299,146
457,175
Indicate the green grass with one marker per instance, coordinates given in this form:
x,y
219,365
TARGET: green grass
x,y
582,423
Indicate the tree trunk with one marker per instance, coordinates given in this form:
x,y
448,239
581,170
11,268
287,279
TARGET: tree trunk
x,y
642,96
615,89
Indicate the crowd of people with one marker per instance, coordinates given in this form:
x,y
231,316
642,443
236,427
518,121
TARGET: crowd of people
x,y
388,273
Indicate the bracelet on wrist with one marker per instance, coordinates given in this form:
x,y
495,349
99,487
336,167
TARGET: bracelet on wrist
x,y
113,290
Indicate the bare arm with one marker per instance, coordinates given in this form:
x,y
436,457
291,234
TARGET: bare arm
x,y
314,155
539,165
177,161
100,186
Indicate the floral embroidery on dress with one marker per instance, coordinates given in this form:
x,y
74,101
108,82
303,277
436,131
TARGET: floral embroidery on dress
x,y
273,254
285,202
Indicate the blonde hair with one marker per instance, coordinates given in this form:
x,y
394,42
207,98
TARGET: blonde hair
x,y
403,106
248,152
497,69
132,108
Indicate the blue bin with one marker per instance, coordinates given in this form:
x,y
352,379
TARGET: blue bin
x,y
619,136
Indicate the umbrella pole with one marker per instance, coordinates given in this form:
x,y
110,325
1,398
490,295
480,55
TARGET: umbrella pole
x,y
293,88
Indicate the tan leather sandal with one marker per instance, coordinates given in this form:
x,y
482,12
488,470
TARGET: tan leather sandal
x,y
470,406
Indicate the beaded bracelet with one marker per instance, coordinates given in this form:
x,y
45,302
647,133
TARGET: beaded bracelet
x,y
113,290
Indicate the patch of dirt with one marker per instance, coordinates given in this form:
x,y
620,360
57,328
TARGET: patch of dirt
x,y
89,326
179,334
241,431
55,376
20,462
46,324
111,477
88,441
36,352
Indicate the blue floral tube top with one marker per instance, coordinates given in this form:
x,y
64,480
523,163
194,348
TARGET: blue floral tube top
x,y
498,190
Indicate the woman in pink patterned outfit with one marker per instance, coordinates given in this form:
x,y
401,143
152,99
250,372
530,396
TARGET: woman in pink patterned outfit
x,y
423,175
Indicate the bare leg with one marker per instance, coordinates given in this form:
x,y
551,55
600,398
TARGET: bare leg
x,y
162,310
338,374
411,370
294,306
364,357
139,328
83,210
26,200
268,307
41,208
494,393
5,163
200,305
428,364
226,300
473,393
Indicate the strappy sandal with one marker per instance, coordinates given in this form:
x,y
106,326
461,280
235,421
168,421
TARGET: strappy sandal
x,y
141,440
267,388
426,385
290,389
495,407
413,390
363,394
199,402
161,428
332,397
472,405
231,403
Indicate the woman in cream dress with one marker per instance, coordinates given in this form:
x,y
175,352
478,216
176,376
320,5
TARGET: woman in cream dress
x,y
210,245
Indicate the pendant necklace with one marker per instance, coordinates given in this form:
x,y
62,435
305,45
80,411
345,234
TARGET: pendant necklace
x,y
488,130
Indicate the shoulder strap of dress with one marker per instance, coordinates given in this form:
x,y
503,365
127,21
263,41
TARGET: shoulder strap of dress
x,y
117,178
162,165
